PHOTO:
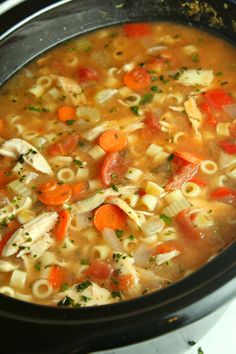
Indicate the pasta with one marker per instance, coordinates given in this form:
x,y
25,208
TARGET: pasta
x,y
118,165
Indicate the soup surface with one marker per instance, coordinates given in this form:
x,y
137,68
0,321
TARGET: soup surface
x,y
118,166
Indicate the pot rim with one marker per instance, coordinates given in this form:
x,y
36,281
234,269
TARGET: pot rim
x,y
176,297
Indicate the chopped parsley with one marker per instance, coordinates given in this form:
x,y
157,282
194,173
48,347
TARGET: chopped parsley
x,y
84,262
147,98
219,73
163,80
84,285
166,219
64,287
36,109
119,233
200,351
131,237
85,298
195,58
70,121
114,187
78,163
66,301
170,157
156,89
37,266
135,110
116,294
191,342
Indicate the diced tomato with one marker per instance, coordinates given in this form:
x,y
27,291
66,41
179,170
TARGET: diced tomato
x,y
152,121
126,282
228,146
206,109
137,29
186,227
224,195
63,147
182,175
99,270
57,277
217,98
87,74
188,156
113,168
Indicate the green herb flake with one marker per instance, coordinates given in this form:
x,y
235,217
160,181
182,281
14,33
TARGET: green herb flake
x,y
135,110
163,79
84,285
156,89
166,219
195,58
64,287
66,301
37,266
85,298
147,98
119,233
170,157
84,262
70,121
219,73
116,294
113,34
114,187
191,343
200,351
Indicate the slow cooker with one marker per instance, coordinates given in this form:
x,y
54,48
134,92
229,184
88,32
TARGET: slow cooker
x,y
171,316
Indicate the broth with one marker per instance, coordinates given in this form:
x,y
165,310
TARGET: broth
x,y
118,168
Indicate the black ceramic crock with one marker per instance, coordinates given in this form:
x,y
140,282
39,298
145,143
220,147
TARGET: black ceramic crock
x,y
190,306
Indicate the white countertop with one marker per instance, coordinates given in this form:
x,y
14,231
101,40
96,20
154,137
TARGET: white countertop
x,y
221,339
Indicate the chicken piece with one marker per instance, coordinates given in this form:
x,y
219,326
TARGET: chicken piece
x,y
72,90
27,237
126,209
85,205
124,264
194,115
84,294
16,148
192,77
14,207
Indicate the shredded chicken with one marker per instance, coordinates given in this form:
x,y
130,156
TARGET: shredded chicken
x,y
72,90
192,77
27,238
14,207
16,148
194,115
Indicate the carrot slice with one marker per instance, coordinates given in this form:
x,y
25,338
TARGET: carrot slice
x,y
62,225
65,113
57,277
137,79
109,216
188,156
61,194
47,186
113,140
79,189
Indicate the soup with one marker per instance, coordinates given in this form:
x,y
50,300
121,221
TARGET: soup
x,y
118,167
